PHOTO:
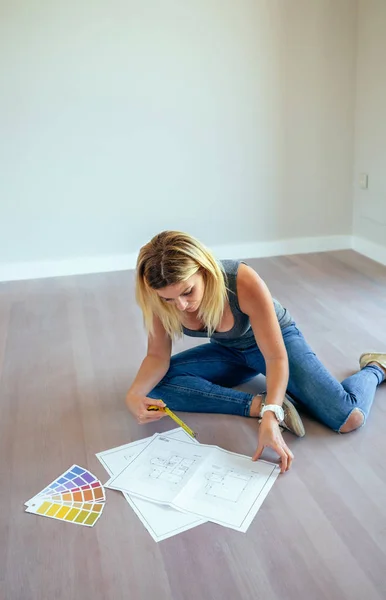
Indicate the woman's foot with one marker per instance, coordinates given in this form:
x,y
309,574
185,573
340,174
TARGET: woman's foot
x,y
377,358
292,420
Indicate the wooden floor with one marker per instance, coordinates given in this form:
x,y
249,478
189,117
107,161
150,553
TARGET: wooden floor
x,y
69,348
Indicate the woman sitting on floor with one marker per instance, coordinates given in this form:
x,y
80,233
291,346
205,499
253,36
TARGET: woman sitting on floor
x,y
182,289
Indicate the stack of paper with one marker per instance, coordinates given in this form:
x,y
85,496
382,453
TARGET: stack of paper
x,y
161,521
173,483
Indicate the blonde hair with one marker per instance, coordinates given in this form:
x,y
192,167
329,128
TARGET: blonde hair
x,y
173,257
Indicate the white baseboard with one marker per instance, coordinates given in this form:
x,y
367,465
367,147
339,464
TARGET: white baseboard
x,y
120,262
374,251
70,266
283,247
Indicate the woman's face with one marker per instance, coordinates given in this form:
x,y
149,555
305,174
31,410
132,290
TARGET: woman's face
x,y
186,296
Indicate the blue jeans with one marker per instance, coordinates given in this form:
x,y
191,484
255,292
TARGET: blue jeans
x,y
201,380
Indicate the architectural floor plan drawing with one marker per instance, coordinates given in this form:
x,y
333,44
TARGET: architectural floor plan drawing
x,y
171,469
206,481
227,485
161,521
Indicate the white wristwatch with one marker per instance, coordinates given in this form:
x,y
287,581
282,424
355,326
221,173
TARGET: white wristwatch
x,y
279,412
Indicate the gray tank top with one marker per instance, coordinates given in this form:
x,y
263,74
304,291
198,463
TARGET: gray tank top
x,y
241,335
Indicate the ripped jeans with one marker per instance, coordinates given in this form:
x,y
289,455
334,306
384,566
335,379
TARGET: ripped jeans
x,y
201,380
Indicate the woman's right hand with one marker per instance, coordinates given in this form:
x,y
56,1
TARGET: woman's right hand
x,y
138,406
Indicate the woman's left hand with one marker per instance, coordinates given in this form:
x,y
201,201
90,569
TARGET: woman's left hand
x,y
270,436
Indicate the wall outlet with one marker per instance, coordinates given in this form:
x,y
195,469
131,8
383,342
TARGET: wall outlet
x,y
363,181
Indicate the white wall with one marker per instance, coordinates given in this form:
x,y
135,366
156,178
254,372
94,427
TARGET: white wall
x,y
232,119
370,125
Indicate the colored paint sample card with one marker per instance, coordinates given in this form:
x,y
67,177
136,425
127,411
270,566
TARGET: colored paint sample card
x,y
74,485
79,513
76,496
161,522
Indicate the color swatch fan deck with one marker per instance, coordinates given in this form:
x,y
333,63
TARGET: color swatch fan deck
x,y
77,496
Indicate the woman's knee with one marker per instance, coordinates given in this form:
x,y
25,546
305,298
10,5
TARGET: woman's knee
x,y
354,421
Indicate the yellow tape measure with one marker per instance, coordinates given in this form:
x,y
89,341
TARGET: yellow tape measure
x,y
171,414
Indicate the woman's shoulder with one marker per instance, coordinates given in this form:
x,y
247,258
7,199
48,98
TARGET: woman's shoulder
x,y
239,281
231,266
250,287
240,271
